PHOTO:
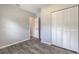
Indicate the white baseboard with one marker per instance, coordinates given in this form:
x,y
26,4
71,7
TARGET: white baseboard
x,y
13,43
46,42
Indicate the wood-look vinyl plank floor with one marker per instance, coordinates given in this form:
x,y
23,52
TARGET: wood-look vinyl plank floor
x,y
33,46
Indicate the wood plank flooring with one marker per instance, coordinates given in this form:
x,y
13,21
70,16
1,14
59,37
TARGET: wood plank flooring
x,y
33,46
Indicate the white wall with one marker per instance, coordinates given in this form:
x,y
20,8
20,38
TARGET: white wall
x,y
14,25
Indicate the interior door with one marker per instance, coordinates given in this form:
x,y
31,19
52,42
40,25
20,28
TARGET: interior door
x,y
66,29
59,19
54,30
70,29
36,28
45,28
57,28
74,28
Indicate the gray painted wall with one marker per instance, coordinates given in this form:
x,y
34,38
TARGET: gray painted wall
x,y
14,25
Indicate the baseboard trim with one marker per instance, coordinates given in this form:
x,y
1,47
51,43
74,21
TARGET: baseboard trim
x,y
46,42
65,49
34,37
59,47
13,43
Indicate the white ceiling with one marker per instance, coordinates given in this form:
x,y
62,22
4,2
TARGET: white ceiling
x,y
34,8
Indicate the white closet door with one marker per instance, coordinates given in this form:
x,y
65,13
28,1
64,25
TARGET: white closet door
x,y
70,29
54,30
59,28
45,27
66,29
74,28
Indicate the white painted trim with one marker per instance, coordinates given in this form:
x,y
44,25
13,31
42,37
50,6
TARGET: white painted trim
x,y
13,43
46,42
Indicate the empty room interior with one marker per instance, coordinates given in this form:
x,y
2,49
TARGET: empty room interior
x,y
39,29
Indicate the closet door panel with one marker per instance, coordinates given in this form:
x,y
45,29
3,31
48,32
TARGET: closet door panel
x,y
54,31
45,27
74,28
70,29
45,33
66,29
66,40
74,41
59,28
